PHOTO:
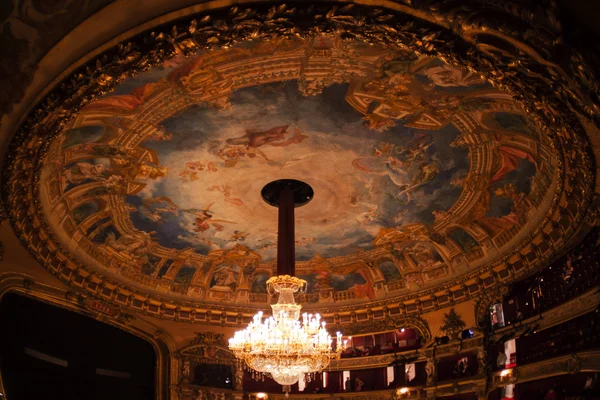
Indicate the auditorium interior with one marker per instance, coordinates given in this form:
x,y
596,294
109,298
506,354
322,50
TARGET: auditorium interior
x,y
418,178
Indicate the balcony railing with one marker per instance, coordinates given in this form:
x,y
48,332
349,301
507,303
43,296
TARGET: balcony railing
x,y
345,295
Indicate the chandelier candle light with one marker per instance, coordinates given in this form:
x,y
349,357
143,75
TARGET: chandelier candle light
x,y
281,346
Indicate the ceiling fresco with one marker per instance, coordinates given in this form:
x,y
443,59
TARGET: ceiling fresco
x,y
421,172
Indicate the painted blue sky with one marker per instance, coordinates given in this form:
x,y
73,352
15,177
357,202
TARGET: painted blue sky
x,y
325,143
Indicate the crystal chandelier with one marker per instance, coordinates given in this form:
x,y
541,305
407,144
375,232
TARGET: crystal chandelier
x,y
282,346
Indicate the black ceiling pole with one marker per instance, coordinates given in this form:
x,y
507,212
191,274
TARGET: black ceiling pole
x,y
286,252
286,194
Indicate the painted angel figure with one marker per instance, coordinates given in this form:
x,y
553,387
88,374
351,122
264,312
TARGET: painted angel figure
x,y
185,369
224,277
204,219
227,192
277,136
133,245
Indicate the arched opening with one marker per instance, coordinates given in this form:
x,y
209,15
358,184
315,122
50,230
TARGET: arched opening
x,y
52,353
213,375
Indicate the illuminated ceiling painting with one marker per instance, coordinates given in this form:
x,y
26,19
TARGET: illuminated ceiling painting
x,y
421,171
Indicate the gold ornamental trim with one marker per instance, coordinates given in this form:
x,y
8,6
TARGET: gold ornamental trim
x,y
286,281
525,64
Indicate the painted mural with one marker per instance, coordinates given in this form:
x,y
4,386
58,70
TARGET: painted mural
x,y
390,271
225,277
224,158
259,282
463,239
85,210
185,274
402,151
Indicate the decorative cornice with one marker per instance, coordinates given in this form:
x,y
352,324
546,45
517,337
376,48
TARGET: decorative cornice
x,y
583,304
569,364
518,50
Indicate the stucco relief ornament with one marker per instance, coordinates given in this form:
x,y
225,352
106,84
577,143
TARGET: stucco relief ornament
x,y
185,370
239,378
430,370
546,94
481,358
574,364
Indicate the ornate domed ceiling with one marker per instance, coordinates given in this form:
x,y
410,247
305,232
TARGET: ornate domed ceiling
x,y
424,173
421,170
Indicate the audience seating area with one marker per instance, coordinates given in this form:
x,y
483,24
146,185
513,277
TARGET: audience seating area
x,y
566,278
457,367
567,387
575,335
383,343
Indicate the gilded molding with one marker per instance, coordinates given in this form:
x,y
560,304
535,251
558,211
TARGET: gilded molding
x,y
562,313
569,364
517,50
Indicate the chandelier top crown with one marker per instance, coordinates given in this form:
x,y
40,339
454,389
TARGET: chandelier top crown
x,y
279,283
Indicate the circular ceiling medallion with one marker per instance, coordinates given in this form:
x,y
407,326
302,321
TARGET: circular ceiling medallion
x,y
302,193
425,173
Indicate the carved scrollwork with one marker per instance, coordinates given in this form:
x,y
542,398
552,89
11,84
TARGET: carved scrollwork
x,y
516,50
483,303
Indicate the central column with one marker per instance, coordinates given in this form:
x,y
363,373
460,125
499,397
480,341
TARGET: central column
x,y
286,249
286,194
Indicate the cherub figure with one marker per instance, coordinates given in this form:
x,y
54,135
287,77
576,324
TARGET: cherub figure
x,y
160,133
238,236
508,191
378,123
204,219
227,193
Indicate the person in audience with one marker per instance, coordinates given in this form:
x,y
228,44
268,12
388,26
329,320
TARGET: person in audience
x,y
568,270
376,350
590,384
463,367
519,319
552,394
501,360
348,385
456,370
358,384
